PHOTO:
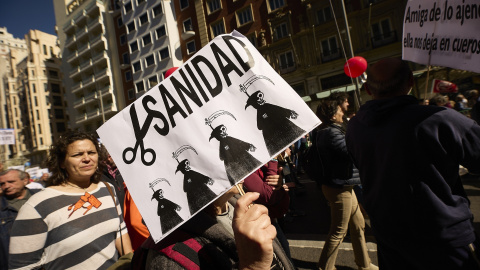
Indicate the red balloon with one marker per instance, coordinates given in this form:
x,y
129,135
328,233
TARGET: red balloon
x,y
170,71
357,64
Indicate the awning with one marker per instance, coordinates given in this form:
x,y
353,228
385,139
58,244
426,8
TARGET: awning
x,y
326,93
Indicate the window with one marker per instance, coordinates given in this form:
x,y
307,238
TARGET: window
x,y
286,60
147,39
128,76
136,67
160,32
324,15
157,10
45,87
164,54
36,101
140,87
16,112
253,39
33,72
119,21
381,30
51,51
218,28
183,4
41,140
281,31
143,19
330,49
152,81
131,27
133,46
140,1
53,73
58,113
126,58
37,113
128,7
131,94
149,60
61,127
187,25
244,16
299,88
123,39
39,129
55,88
57,101
191,47
213,5
45,49
274,4
34,88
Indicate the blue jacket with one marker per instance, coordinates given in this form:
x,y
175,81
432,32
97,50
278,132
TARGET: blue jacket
x,y
408,156
338,166
7,216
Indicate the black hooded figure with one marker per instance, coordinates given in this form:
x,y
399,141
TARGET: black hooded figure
x,y
167,211
235,155
195,186
274,122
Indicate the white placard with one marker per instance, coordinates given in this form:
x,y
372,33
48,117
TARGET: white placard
x,y
190,138
7,136
443,33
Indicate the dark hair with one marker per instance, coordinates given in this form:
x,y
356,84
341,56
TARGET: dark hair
x,y
326,110
397,83
338,97
58,152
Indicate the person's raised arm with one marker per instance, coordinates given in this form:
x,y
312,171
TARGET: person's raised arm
x,y
254,233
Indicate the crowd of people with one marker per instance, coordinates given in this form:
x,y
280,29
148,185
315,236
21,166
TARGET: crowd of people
x,y
395,160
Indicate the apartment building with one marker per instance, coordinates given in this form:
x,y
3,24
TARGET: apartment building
x,y
12,51
153,40
90,62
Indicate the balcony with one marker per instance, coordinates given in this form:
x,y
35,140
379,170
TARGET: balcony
x,y
331,55
91,10
94,23
101,74
69,26
93,113
83,49
86,64
97,41
101,56
82,17
105,90
91,97
72,56
81,33
74,71
70,41
88,81
81,117
289,67
76,87
78,102
384,39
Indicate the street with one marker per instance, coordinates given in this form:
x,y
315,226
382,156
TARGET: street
x,y
307,234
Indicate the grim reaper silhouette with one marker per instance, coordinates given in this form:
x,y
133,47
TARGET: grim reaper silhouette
x,y
233,152
195,184
166,209
274,121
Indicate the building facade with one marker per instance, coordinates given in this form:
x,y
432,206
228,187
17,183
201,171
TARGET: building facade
x,y
153,40
90,61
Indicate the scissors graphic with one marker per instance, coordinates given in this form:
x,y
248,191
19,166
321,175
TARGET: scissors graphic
x,y
140,134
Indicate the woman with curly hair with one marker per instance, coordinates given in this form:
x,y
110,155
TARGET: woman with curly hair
x,y
339,178
74,223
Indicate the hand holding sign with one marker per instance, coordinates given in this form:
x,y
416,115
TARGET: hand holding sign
x,y
254,233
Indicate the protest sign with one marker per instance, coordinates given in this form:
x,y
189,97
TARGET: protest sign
x,y
216,119
443,33
7,136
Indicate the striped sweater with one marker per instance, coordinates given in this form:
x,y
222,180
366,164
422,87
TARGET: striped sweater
x,y
44,235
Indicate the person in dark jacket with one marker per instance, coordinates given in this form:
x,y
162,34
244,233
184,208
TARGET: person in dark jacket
x,y
408,157
337,186
14,194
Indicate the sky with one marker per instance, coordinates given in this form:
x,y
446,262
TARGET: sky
x,y
19,16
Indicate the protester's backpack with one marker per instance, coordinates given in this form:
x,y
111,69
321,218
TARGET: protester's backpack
x,y
312,163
